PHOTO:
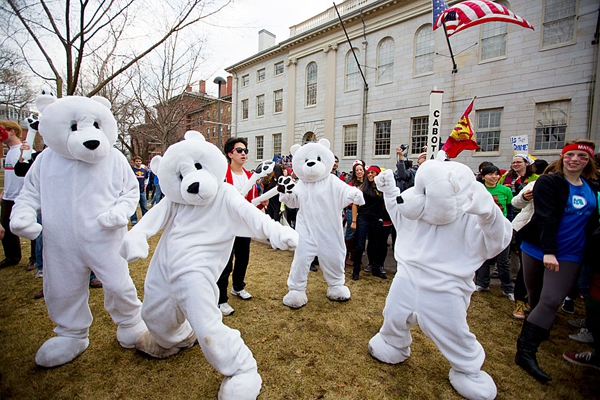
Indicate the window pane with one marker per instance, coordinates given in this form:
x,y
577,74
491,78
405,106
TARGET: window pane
x,y
385,61
279,68
418,134
383,134
276,143
260,105
551,125
311,84
493,40
559,22
352,72
278,101
259,147
260,75
488,130
424,50
245,109
245,80
350,140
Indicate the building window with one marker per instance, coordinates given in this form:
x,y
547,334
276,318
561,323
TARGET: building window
x,y
488,130
551,125
352,72
350,140
385,61
245,109
424,50
383,134
418,134
214,131
493,40
279,68
245,80
260,75
311,84
559,22
208,115
276,143
278,100
260,105
260,142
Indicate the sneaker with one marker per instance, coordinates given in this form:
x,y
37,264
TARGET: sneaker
x,y
39,274
242,294
95,284
313,268
226,309
568,306
519,312
584,336
31,266
586,359
511,296
368,268
578,323
481,288
527,307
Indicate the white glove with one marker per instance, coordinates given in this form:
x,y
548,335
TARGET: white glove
x,y
359,199
112,219
25,225
285,239
133,247
480,202
385,182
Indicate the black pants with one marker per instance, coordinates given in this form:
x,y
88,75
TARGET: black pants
x,y
241,251
11,242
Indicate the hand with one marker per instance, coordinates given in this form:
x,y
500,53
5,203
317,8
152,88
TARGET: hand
x,y
112,220
385,181
479,201
359,199
285,184
528,195
24,146
25,225
285,239
400,153
264,203
353,225
551,262
133,247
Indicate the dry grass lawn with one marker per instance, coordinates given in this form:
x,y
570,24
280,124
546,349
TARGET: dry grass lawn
x,y
317,352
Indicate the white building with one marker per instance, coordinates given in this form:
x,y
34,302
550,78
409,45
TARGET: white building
x,y
540,83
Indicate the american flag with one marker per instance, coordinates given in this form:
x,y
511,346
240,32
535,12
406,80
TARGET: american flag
x,y
470,13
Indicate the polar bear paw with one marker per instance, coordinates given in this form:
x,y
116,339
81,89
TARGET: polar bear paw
x,y
127,335
384,352
146,344
338,293
60,350
243,386
479,386
295,299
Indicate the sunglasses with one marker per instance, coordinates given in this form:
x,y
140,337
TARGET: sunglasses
x,y
241,150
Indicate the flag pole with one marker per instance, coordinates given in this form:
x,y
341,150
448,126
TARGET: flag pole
x,y
454,67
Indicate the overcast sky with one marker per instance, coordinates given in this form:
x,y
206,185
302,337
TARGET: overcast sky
x,y
237,37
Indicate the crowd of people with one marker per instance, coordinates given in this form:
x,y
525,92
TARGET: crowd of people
x,y
553,208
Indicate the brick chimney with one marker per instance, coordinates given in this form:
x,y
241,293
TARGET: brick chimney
x,y
188,89
265,40
229,85
203,87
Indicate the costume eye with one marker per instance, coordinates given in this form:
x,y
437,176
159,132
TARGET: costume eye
x,y
306,160
180,177
74,127
198,166
318,158
96,125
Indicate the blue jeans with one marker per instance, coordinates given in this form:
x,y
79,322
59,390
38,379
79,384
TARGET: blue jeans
x,y
157,195
39,263
349,231
482,276
143,207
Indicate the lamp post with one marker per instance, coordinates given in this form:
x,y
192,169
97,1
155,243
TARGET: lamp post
x,y
219,81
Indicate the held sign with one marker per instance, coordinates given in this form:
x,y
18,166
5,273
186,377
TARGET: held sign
x,y
435,118
520,144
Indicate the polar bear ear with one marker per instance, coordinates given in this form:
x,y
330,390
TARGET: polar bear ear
x,y
43,101
102,100
194,135
325,142
294,149
155,163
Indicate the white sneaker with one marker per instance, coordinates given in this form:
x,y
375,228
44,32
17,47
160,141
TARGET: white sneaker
x,y
481,288
226,309
584,336
511,296
39,274
242,294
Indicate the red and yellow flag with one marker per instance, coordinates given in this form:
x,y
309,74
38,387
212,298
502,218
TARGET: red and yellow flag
x,y
461,137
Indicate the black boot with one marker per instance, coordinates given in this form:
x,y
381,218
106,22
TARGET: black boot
x,y
378,272
355,271
527,344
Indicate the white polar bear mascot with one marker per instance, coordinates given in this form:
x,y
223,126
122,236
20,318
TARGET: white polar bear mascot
x,y
320,197
448,225
200,216
87,192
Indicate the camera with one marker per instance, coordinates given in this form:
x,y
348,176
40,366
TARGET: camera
x,y
403,146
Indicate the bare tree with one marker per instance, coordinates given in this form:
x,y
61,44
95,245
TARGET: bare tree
x,y
66,33
15,85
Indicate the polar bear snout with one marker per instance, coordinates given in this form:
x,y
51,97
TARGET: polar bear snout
x,y
194,188
311,164
91,144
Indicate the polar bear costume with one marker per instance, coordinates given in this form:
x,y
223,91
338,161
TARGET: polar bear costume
x,y
320,197
200,215
448,225
87,191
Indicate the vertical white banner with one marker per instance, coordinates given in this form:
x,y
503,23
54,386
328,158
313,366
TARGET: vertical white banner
x,y
435,118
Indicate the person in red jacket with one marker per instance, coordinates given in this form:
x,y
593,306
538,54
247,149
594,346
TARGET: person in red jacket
x,y
236,151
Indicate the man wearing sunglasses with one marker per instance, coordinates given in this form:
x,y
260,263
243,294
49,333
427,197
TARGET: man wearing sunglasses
x,y
236,151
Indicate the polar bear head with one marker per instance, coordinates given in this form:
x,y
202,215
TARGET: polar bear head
x,y
76,127
440,191
191,171
313,161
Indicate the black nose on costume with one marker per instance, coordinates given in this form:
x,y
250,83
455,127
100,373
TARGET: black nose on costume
x,y
310,164
92,144
193,188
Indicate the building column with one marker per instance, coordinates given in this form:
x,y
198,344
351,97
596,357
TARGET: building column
x,y
287,140
329,114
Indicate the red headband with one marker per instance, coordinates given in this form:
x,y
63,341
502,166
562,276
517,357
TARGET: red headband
x,y
374,168
579,146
